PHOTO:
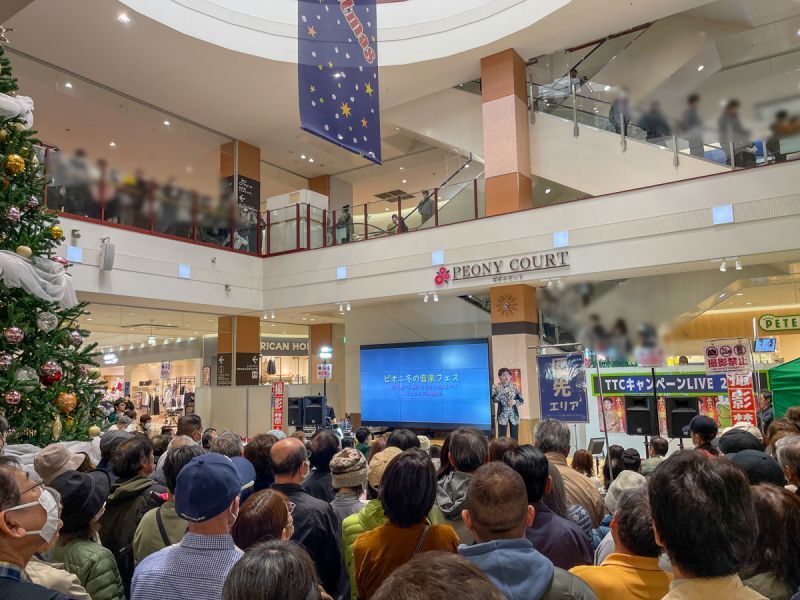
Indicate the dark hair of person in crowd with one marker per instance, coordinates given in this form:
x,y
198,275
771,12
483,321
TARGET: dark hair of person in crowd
x,y
659,445
631,460
556,498
435,451
188,424
144,419
403,439
131,455
469,449
362,434
445,468
793,414
497,503
778,429
348,442
291,463
408,488
273,570
499,446
702,510
324,446
228,443
531,463
9,491
257,452
437,576
777,524
378,445
263,516
635,525
131,414
167,431
614,465
208,437
583,462
176,460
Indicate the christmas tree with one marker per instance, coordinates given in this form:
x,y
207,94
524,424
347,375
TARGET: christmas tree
x,y
48,387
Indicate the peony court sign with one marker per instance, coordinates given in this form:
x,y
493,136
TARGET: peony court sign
x,y
508,269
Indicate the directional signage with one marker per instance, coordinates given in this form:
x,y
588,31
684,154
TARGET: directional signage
x,y
224,369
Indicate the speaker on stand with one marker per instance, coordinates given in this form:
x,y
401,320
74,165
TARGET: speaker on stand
x,y
294,412
314,411
680,411
641,417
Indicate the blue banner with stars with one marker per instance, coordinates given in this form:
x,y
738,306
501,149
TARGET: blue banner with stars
x,y
337,73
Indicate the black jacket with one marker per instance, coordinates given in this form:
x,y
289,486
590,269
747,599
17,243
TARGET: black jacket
x,y
316,529
22,590
319,485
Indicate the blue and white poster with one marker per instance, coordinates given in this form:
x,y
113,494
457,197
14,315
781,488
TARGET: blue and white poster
x,y
562,388
337,73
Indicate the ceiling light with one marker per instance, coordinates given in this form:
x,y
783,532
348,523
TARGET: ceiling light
x,y
723,266
404,181
402,168
341,308
166,123
700,68
607,88
385,209
113,144
748,303
123,18
547,191
348,307
738,265
272,324
130,347
466,166
68,85
311,160
303,156
739,294
425,298
89,319
435,297
272,315
549,283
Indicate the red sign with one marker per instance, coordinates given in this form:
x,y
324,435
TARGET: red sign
x,y
728,358
277,405
742,398
324,371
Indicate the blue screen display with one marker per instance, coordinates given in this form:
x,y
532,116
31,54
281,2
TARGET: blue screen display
x,y
433,384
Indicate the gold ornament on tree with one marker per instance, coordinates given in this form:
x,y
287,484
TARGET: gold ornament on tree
x,y
56,232
56,428
66,402
24,251
15,164
70,421
3,135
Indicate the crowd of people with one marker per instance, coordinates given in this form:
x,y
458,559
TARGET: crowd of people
x,y
208,517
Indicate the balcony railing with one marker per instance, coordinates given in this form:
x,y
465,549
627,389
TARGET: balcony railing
x,y
94,192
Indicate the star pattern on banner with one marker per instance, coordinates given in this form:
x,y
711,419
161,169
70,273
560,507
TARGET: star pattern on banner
x,y
338,73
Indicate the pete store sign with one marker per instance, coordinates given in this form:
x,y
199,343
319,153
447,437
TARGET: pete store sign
x,y
776,323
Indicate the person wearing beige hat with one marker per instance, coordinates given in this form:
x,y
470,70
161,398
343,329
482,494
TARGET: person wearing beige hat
x,y
348,475
54,460
372,516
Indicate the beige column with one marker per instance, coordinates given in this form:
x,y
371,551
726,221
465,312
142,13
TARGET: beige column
x,y
506,137
515,328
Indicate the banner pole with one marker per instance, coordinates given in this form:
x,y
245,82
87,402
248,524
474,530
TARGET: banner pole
x,y
603,415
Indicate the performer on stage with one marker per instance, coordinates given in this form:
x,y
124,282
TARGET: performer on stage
x,y
507,397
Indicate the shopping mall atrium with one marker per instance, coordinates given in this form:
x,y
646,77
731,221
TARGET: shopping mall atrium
x,y
505,184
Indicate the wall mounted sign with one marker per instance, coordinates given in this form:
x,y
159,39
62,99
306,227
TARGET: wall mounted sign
x,y
224,369
248,366
506,269
732,357
779,323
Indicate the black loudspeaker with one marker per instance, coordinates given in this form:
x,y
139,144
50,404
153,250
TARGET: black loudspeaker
x,y
641,415
679,412
314,411
294,412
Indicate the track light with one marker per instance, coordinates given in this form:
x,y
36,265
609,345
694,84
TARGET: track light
x,y
348,307
435,297
272,315
738,265
341,308
425,298
723,267
549,283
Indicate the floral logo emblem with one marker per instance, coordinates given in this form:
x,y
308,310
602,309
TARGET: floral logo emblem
x,y
442,276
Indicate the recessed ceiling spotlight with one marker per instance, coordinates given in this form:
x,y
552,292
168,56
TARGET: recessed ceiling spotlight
x,y
607,88
435,297
404,181
402,168
166,123
303,156
547,191
68,85
348,307
748,303
739,294
311,160
700,68
272,314
123,18
466,166
113,144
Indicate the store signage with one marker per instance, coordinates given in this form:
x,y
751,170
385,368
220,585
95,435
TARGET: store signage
x,y
166,370
224,369
507,269
742,398
667,384
562,388
779,323
249,192
278,390
324,371
285,346
733,357
248,365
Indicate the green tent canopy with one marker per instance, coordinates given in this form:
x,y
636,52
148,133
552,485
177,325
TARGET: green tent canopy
x,y
784,381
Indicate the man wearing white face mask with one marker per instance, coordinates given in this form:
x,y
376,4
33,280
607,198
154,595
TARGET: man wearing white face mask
x,y
28,516
207,497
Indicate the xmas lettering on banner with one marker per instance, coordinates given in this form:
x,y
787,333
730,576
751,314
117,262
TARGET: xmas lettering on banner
x,y
277,405
742,398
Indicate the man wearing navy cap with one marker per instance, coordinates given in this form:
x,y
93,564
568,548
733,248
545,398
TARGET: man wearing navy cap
x,y
703,430
207,497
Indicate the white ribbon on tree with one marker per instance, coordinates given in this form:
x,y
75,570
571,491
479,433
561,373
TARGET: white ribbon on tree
x,y
17,106
40,276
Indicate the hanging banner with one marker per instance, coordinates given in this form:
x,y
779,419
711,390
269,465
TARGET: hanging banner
x,y
277,405
562,388
742,398
337,73
667,384
614,409
166,370
731,357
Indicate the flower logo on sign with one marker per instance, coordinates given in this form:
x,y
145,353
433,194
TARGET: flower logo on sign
x,y
442,276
